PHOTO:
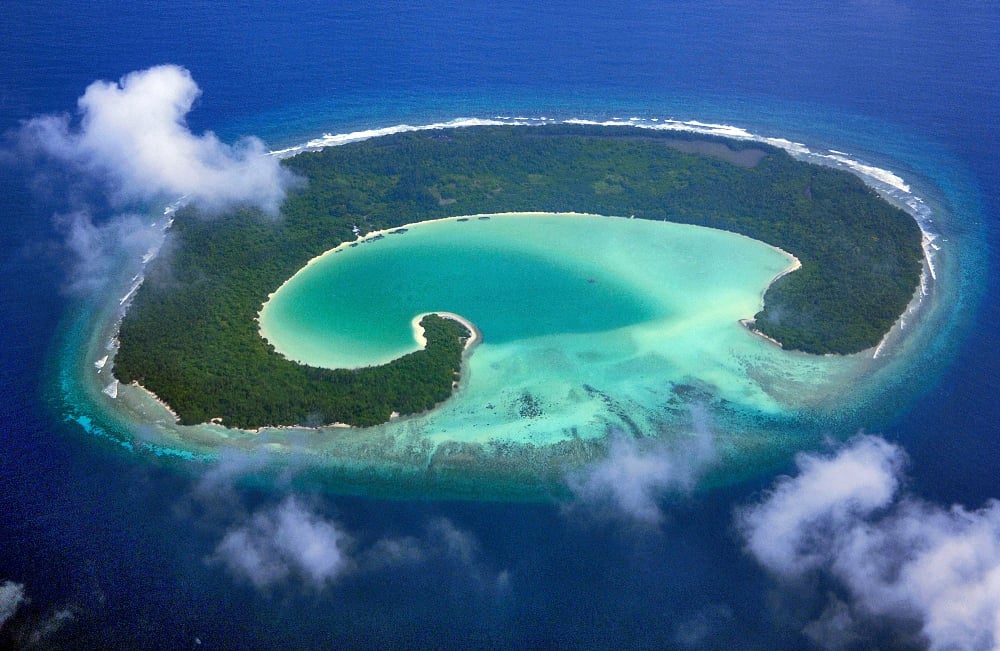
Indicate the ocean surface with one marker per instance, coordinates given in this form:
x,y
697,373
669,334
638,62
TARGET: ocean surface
x,y
107,545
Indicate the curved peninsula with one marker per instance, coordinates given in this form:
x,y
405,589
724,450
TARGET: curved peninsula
x,y
860,257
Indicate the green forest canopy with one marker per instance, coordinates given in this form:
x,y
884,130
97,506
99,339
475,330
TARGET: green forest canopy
x,y
191,336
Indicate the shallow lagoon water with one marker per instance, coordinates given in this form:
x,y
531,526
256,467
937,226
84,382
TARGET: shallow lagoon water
x,y
584,318
515,278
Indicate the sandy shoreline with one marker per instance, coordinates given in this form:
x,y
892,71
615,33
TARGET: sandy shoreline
x,y
157,400
418,330
361,239
795,266
749,324
218,421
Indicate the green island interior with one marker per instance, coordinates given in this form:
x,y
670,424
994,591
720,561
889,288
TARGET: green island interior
x,y
860,257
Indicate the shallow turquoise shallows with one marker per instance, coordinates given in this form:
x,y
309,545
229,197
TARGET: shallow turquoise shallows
x,y
354,307
517,277
582,317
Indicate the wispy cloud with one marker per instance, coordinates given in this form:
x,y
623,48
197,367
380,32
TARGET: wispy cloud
x,y
636,474
96,250
932,571
132,136
51,625
295,543
128,146
461,548
697,632
11,598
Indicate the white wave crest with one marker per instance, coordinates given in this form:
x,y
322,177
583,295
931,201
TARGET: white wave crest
x,y
136,282
877,173
111,390
334,139
879,177
927,243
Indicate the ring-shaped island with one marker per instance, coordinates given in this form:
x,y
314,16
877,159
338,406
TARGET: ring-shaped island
x,y
801,265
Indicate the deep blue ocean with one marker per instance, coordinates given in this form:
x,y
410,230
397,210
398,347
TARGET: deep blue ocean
x,y
119,550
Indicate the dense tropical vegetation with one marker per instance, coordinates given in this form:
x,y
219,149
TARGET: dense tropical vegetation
x,y
191,336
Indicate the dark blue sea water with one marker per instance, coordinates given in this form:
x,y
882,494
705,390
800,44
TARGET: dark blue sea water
x,y
115,550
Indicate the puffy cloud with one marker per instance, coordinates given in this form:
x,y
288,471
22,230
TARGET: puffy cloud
x,y
293,542
11,597
133,136
287,540
631,479
131,144
785,532
892,557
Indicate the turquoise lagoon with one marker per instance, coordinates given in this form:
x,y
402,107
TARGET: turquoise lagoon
x,y
589,324
581,316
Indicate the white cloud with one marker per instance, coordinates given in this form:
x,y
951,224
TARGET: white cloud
x,y
632,478
893,557
96,250
132,134
782,532
286,541
11,598
290,542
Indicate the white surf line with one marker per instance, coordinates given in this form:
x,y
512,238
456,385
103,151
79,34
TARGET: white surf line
x,y
335,139
880,178
124,302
